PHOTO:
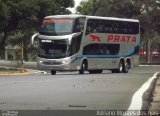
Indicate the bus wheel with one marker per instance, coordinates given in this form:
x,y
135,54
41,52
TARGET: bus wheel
x,y
99,71
83,67
114,71
126,67
53,72
120,68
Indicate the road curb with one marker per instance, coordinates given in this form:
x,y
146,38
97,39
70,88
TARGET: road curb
x,y
15,74
154,105
27,72
147,96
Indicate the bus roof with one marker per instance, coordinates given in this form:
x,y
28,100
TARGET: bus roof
x,y
92,17
65,16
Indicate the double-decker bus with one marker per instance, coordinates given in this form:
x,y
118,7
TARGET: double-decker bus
x,y
87,43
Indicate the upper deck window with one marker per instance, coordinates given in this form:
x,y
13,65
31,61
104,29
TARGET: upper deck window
x,y
112,26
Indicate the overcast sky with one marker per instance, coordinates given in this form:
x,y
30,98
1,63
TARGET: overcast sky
x,y
73,10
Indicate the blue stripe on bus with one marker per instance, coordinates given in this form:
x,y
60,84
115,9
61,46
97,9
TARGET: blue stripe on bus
x,y
78,57
101,56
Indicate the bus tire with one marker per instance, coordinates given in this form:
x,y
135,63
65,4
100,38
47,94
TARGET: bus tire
x,y
114,71
83,67
120,68
91,71
53,72
126,67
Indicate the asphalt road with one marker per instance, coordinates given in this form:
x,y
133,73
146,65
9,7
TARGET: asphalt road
x,y
71,91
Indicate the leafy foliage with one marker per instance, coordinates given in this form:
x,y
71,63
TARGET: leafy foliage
x,y
19,19
89,7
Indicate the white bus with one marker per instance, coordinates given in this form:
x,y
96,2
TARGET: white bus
x,y
87,43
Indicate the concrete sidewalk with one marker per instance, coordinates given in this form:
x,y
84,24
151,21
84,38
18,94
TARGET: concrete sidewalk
x,y
155,103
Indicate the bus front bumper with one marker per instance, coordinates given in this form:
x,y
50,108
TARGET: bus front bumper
x,y
56,65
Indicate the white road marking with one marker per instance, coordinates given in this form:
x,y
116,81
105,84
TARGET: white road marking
x,y
44,72
149,65
36,71
136,103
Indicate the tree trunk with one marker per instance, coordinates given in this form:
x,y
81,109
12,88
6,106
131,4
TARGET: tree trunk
x,y
2,46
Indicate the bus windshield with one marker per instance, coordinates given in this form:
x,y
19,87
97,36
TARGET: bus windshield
x,y
53,49
57,26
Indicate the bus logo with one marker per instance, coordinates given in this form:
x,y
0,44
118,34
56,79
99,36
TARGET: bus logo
x,y
95,38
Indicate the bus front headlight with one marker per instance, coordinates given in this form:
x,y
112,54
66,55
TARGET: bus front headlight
x,y
40,62
66,61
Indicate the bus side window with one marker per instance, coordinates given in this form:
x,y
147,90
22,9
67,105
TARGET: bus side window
x,y
76,26
88,29
106,50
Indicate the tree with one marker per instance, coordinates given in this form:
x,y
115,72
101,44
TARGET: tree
x,y
89,7
4,19
24,17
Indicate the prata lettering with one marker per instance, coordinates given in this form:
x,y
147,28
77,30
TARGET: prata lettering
x,y
121,39
115,38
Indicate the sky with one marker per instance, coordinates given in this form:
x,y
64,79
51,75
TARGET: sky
x,y
73,10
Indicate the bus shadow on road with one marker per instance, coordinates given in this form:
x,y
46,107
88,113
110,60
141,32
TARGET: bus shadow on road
x,y
77,73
